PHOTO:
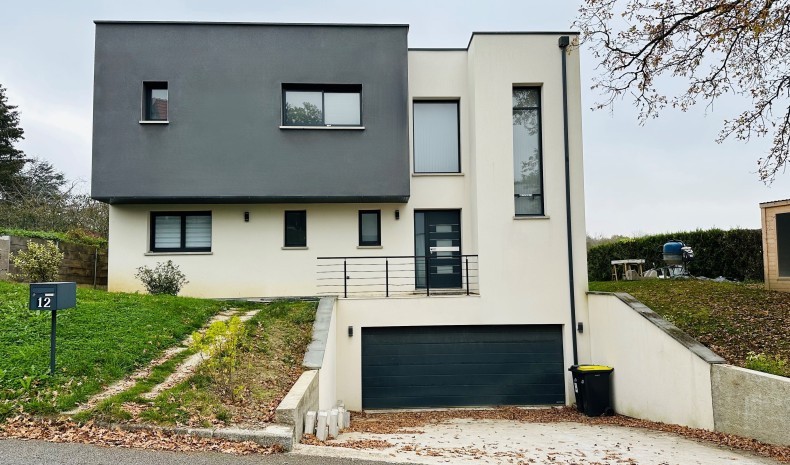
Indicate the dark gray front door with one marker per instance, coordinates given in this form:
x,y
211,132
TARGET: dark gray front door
x,y
437,246
457,366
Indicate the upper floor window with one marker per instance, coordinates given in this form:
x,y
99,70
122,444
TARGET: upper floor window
x,y
180,231
155,101
436,137
527,152
322,105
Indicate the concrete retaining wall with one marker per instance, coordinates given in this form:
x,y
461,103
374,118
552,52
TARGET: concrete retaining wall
x,y
302,397
752,404
660,373
82,264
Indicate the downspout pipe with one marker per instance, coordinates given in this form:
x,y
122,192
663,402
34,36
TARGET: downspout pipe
x,y
563,43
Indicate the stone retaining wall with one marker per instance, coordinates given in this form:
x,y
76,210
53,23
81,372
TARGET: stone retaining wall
x,y
82,264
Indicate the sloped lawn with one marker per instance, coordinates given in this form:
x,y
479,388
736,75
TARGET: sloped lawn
x,y
267,360
732,319
105,338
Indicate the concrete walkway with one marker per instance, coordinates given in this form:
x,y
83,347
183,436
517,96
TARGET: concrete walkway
x,y
511,442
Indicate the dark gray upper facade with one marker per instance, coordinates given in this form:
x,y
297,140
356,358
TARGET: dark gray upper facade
x,y
223,142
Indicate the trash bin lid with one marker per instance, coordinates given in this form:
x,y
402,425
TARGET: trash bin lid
x,y
594,368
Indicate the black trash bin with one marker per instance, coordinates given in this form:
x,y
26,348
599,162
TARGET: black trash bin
x,y
592,386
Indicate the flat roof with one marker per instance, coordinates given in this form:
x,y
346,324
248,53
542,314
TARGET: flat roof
x,y
775,203
417,49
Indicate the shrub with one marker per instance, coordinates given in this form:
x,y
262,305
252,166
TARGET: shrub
x,y
166,278
736,253
221,344
774,365
39,263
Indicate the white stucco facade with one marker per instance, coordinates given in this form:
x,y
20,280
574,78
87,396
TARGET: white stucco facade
x,y
523,261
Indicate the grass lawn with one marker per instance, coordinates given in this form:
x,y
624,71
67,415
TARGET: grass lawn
x,y
106,337
268,362
732,319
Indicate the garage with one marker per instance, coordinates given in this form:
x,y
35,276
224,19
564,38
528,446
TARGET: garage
x,y
462,366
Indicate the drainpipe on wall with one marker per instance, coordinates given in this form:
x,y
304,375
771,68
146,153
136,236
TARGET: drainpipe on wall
x,y
563,44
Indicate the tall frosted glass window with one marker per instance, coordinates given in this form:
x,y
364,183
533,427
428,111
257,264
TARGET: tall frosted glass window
x,y
436,146
527,152
180,231
322,105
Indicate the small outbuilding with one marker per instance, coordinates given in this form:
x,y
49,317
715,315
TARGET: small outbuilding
x,y
776,244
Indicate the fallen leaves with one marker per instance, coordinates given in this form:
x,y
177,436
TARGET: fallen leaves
x,y
311,440
409,422
56,430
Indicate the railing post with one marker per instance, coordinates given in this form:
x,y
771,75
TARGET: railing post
x,y
467,275
345,280
387,276
428,275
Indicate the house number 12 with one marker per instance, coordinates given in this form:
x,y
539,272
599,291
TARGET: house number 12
x,y
44,302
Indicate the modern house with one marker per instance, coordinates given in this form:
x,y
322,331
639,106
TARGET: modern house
x,y
438,193
776,244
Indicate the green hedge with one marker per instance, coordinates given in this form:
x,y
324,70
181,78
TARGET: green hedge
x,y
737,253
76,236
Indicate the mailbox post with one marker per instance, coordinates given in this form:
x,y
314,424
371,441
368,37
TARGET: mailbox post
x,y
53,297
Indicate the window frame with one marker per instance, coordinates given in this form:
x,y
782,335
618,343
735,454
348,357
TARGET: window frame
x,y
285,228
324,89
414,102
539,109
183,248
377,242
148,86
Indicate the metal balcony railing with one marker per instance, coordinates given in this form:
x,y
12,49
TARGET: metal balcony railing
x,y
399,275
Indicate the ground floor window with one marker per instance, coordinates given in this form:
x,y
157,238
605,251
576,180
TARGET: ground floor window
x,y
180,231
369,227
296,228
783,243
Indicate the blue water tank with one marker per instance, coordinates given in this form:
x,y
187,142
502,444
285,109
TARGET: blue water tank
x,y
673,252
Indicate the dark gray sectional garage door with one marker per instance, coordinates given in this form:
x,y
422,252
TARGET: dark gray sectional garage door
x,y
454,366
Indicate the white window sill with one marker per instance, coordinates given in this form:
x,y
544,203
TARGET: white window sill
x,y
294,248
336,128
154,122
436,174
533,217
370,246
149,254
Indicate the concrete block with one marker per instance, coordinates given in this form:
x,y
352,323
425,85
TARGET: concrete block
x,y
333,423
309,423
321,426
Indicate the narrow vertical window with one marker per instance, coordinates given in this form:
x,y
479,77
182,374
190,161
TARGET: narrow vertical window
x,y
783,243
369,227
155,100
436,136
527,152
296,228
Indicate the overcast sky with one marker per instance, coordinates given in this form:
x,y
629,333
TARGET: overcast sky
x,y
668,175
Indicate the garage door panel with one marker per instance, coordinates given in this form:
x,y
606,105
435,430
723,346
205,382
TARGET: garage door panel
x,y
461,401
463,347
396,335
462,366
481,369
478,358
500,379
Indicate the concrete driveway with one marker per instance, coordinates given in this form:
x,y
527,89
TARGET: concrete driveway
x,y
461,441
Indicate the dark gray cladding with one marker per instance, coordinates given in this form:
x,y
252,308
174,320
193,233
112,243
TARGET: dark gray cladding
x,y
224,141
